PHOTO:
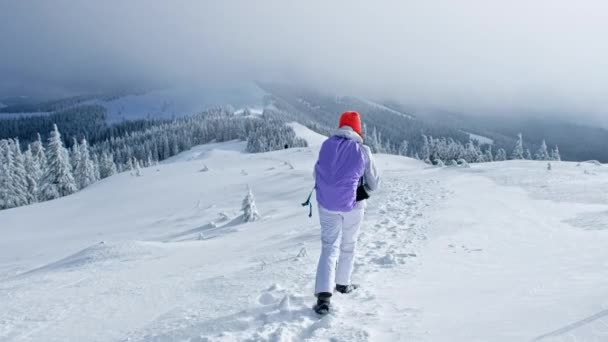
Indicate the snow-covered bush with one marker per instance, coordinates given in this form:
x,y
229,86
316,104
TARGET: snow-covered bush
x,y
250,211
463,163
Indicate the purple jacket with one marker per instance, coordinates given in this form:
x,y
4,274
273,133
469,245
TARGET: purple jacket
x,y
340,166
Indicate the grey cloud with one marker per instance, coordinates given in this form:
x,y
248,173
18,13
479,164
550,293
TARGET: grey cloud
x,y
483,56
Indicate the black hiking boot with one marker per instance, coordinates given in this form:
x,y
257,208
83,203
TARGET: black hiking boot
x,y
323,303
346,288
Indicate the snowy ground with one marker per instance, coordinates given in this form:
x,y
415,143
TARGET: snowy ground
x,y
500,252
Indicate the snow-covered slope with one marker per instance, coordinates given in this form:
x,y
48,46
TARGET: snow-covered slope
x,y
180,101
313,139
500,252
480,139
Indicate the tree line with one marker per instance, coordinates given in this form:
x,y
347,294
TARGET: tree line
x,y
42,172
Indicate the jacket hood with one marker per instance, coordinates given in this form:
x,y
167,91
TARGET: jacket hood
x,y
348,133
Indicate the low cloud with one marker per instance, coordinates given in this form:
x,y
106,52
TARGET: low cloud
x,y
481,56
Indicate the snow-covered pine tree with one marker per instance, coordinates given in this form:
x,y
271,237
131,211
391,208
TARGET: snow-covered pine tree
x,y
19,175
32,170
373,142
403,148
250,211
39,155
518,151
137,168
74,156
85,168
542,153
488,156
107,166
129,165
425,150
174,148
150,161
555,155
166,148
95,160
7,187
471,153
58,180
528,154
501,155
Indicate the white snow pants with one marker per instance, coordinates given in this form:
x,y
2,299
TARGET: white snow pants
x,y
339,232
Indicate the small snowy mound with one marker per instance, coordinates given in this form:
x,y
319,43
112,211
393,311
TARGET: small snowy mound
x,y
104,252
205,151
593,162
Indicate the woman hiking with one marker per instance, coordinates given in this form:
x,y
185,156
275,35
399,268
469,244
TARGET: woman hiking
x,y
345,172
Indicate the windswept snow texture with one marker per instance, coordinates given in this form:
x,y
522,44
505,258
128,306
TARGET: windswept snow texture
x,y
505,251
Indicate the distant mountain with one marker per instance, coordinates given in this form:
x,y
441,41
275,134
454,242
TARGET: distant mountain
x,y
138,104
396,123
388,122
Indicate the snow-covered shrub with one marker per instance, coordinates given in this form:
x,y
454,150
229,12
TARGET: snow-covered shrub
x,y
250,211
463,163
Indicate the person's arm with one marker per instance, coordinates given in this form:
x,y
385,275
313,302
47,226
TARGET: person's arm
x,y
371,177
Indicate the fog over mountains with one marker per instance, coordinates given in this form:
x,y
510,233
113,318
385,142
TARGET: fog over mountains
x,y
521,58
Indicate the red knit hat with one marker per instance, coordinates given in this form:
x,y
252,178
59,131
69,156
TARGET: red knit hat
x,y
352,120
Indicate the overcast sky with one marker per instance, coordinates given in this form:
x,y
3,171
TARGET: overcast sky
x,y
482,55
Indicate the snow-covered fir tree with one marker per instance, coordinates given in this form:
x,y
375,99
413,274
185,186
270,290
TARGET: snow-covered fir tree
x,y
542,153
7,186
425,151
74,155
528,154
373,142
518,151
84,173
19,175
39,155
107,166
95,160
33,175
150,161
501,155
129,165
250,211
488,156
137,168
403,148
471,153
58,180
555,154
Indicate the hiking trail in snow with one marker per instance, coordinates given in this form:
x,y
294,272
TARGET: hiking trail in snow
x,y
392,231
